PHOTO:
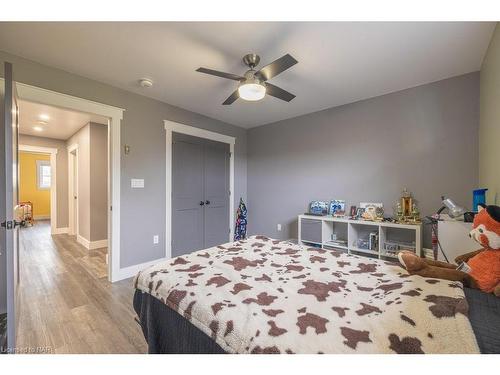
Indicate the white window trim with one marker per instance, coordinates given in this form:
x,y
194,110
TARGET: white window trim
x,y
171,127
39,165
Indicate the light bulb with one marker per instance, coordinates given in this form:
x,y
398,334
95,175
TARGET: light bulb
x,y
252,91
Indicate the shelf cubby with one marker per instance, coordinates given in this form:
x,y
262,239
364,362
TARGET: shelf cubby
x,y
322,230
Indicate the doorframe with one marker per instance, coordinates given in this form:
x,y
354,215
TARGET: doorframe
x,y
115,116
73,224
53,182
175,127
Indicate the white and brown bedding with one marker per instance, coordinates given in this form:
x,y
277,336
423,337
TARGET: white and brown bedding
x,y
268,296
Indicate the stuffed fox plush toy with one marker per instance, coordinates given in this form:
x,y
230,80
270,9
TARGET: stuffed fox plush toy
x,y
482,266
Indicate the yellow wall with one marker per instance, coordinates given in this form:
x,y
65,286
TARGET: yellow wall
x,y
489,121
27,184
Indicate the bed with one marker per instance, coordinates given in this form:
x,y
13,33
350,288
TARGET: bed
x,y
268,296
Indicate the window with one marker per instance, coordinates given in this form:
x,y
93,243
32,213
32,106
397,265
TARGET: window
x,y
43,174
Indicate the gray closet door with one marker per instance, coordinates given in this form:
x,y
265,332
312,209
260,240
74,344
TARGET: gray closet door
x,y
216,193
187,194
200,194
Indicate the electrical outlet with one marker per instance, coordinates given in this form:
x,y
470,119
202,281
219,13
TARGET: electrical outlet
x,y
278,227
156,239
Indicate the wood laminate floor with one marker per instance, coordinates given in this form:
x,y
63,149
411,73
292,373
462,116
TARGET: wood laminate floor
x,y
66,301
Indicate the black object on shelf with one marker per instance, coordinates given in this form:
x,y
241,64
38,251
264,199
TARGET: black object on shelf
x,y
469,216
314,214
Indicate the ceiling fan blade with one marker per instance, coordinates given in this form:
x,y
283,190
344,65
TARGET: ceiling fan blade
x,y
234,77
232,98
278,92
276,67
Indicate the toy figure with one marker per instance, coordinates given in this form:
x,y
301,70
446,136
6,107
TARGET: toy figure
x,y
398,212
479,269
415,213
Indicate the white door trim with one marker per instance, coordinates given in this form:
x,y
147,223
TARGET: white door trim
x,y
114,115
171,127
73,228
53,180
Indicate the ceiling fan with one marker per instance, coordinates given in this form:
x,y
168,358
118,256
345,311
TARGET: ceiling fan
x,y
253,84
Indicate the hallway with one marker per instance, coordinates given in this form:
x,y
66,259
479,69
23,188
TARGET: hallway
x,y
67,305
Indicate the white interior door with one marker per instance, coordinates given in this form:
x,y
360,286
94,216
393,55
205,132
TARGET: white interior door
x,y
9,197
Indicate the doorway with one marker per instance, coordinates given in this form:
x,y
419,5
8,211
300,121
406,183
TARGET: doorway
x,y
38,178
51,193
114,116
217,228
200,193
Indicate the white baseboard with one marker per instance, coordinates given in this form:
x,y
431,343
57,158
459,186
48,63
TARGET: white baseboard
x,y
60,231
41,217
83,241
91,245
125,273
98,244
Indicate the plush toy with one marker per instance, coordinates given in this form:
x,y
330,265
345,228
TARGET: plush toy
x,y
481,268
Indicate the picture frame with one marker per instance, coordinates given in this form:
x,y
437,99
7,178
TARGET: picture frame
x,y
337,207
318,208
359,212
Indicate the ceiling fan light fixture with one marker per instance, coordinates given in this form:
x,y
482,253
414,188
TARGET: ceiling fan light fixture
x,y
253,86
252,91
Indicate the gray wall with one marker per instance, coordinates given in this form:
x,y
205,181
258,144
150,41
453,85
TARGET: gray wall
x,y
98,182
62,172
142,210
92,141
82,139
424,138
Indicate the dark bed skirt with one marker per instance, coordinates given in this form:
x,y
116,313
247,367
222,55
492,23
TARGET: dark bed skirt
x,y
168,332
484,315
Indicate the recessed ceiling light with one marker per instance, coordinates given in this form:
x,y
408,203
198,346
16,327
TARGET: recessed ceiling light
x,y
146,82
44,117
38,128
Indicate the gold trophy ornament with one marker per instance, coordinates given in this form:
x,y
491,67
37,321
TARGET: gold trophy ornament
x,y
407,211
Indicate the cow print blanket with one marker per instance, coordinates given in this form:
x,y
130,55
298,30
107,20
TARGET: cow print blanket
x,y
267,296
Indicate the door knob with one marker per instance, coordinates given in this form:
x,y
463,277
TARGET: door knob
x,y
207,202
202,203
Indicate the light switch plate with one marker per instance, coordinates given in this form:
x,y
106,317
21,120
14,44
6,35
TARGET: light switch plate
x,y
137,183
156,239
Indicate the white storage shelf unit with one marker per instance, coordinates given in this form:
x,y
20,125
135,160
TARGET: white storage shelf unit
x,y
320,230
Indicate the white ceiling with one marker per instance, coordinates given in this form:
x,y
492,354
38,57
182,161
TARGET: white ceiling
x,y
339,62
60,123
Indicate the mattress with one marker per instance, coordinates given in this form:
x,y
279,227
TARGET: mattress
x,y
268,296
167,332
